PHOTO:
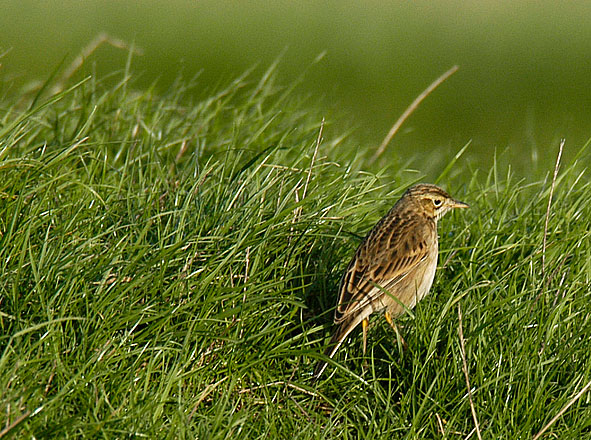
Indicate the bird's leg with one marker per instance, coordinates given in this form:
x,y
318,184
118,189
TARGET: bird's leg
x,y
364,325
393,325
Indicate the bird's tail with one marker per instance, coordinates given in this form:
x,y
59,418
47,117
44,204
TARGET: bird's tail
x,y
342,331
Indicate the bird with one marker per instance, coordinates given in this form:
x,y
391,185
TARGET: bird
x,y
394,266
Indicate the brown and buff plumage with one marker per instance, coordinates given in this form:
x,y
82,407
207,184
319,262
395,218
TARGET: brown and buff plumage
x,y
393,268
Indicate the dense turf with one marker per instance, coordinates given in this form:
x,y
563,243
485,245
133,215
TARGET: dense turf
x,y
169,270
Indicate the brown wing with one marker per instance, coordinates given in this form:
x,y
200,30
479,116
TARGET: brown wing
x,y
395,246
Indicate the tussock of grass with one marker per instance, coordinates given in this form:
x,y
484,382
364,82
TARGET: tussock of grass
x,y
169,270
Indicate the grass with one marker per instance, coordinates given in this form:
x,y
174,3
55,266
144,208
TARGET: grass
x,y
169,270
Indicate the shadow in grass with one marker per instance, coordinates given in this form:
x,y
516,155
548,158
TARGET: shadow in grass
x,y
322,267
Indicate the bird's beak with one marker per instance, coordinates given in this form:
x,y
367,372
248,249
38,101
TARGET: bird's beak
x,y
458,204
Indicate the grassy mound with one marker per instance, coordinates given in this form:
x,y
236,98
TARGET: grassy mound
x,y
169,270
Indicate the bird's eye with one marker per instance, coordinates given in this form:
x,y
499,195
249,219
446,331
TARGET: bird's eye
x,y
437,202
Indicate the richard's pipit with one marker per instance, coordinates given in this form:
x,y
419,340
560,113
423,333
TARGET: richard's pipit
x,y
393,268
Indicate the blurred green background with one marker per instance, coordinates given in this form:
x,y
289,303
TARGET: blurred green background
x,y
524,80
